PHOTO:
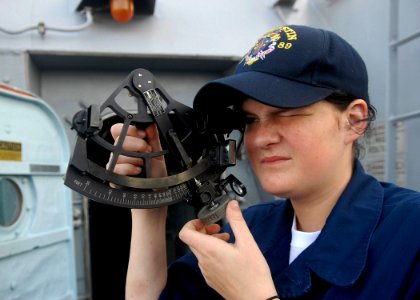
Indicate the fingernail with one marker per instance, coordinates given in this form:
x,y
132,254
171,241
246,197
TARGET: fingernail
x,y
234,205
141,133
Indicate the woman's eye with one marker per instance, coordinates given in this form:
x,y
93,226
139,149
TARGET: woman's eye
x,y
287,115
249,120
291,114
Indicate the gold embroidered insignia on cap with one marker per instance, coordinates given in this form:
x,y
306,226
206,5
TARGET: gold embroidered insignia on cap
x,y
269,42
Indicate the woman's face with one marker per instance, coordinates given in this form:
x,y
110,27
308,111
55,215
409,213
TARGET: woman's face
x,y
298,152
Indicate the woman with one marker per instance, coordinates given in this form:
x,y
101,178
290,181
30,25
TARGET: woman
x,y
340,234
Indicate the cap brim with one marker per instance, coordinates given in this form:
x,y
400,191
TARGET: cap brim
x,y
265,88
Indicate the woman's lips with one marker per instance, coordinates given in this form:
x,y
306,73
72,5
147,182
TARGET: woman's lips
x,y
273,159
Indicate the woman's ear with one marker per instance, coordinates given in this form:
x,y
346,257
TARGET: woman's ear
x,y
357,118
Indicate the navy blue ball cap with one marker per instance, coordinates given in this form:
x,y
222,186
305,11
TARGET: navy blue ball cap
x,y
290,66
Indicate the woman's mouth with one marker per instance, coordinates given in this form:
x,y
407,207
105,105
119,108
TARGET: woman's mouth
x,y
274,159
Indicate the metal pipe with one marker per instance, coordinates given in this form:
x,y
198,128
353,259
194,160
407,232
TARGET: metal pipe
x,y
406,39
41,27
405,117
391,96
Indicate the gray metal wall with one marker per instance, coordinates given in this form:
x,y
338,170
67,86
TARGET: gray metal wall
x,y
187,42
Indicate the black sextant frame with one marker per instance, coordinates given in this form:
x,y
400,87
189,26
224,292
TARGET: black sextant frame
x,y
195,155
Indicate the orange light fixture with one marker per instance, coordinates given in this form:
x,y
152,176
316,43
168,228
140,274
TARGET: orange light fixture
x,y
122,10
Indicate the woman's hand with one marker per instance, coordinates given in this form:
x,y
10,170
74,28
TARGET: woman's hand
x,y
235,271
138,140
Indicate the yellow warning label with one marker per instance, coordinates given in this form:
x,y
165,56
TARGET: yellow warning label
x,y
10,151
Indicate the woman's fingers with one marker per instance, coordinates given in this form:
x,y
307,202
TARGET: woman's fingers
x,y
243,236
152,134
135,144
127,169
197,235
141,141
132,131
222,236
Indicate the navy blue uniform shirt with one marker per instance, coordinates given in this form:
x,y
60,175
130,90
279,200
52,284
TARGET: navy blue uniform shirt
x,y
369,248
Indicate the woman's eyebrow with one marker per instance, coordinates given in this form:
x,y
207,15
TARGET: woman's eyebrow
x,y
274,110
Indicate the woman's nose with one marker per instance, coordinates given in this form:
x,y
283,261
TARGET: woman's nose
x,y
264,134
